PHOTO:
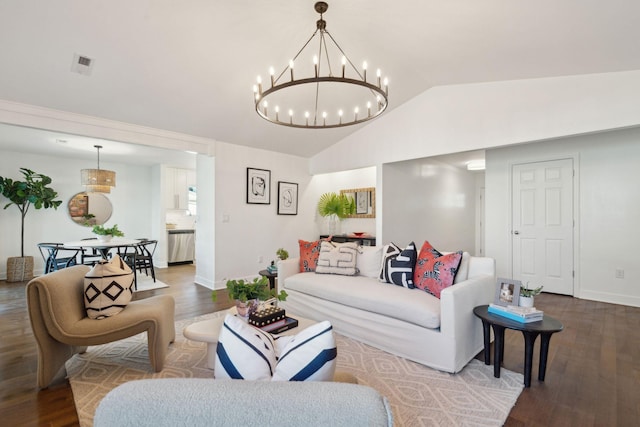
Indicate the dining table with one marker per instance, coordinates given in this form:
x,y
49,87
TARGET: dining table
x,y
104,247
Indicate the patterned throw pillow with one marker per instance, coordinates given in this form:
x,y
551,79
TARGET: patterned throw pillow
x,y
309,252
245,352
435,271
398,265
107,288
338,258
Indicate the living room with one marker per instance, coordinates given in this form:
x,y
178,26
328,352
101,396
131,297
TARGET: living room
x,y
586,113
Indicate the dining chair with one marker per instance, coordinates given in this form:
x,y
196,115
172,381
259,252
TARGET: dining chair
x,y
144,257
90,256
56,256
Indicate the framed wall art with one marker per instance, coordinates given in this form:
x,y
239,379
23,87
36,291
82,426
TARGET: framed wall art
x,y
362,202
287,198
258,186
507,292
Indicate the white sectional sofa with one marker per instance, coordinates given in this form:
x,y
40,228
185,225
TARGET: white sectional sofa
x,y
441,333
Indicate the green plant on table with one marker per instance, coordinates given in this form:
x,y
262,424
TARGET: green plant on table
x,y
282,254
244,290
102,231
526,292
32,191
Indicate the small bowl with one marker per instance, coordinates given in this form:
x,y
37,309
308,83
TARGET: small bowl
x,y
358,233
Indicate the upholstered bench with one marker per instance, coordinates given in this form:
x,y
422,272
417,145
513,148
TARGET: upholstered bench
x,y
61,326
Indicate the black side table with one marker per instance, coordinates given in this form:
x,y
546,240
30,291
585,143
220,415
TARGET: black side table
x,y
270,276
545,328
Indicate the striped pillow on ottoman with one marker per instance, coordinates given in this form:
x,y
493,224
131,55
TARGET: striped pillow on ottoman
x,y
246,352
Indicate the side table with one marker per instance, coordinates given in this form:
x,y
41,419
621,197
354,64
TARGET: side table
x,y
545,328
271,276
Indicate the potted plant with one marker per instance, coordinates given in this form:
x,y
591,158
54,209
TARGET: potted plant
x,y
247,294
34,191
105,234
335,207
526,295
282,254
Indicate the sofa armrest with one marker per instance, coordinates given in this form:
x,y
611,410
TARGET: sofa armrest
x,y
287,268
457,303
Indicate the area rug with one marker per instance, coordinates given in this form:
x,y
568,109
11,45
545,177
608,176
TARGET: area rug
x,y
146,283
419,396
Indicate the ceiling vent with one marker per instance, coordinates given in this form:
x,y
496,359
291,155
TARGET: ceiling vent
x,y
82,64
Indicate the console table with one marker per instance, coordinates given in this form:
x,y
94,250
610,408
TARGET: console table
x,y
545,328
342,238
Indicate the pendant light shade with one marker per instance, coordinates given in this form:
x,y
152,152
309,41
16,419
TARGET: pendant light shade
x,y
98,180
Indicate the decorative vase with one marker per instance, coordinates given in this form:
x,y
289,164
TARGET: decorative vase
x,y
333,225
525,301
105,237
245,308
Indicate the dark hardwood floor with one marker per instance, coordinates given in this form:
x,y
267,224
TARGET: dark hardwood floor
x,y
593,372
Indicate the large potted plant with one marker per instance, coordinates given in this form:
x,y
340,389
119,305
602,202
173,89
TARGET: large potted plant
x,y
335,207
247,294
33,191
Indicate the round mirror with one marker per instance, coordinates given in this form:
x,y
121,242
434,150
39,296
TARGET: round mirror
x,y
89,209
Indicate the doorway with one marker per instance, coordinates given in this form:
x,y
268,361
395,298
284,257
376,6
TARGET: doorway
x,y
542,218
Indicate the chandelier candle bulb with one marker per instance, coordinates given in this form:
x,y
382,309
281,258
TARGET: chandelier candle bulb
x,y
379,75
355,113
277,111
271,73
364,69
306,116
386,86
368,109
291,68
315,64
259,79
291,116
324,118
344,63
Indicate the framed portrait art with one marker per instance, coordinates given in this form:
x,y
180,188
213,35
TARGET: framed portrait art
x,y
258,186
507,292
287,198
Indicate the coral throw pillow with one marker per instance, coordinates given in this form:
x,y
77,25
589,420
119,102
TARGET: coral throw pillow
x,y
309,253
435,271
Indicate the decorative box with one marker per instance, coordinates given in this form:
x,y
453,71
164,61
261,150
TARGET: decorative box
x,y
266,316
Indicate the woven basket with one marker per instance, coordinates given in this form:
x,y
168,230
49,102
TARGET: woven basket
x,y
19,269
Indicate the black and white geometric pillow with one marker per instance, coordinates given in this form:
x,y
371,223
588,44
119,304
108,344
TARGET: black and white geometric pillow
x,y
398,265
107,288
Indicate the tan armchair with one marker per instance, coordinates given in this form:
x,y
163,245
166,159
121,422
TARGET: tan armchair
x,y
61,326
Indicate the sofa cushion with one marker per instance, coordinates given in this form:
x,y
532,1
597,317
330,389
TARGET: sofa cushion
x,y
107,288
435,271
365,293
398,267
310,355
337,258
309,252
246,352
369,260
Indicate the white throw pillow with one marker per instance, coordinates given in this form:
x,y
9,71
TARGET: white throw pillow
x,y
369,259
337,258
246,352
107,288
309,355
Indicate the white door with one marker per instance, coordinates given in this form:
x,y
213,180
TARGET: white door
x,y
542,220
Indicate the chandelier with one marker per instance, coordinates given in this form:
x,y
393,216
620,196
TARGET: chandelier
x,y
98,180
323,97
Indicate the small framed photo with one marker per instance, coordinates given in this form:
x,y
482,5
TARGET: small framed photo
x,y
287,198
507,292
362,202
258,186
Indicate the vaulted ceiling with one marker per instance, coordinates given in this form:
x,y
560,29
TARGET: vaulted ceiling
x,y
188,66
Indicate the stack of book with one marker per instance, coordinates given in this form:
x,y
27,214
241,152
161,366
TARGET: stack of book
x,y
519,314
272,269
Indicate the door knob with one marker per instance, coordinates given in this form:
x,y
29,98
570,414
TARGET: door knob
x,y
516,232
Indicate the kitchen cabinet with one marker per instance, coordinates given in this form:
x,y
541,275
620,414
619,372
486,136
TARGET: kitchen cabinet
x,y
177,183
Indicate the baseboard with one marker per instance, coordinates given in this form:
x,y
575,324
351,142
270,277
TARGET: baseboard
x,y
607,297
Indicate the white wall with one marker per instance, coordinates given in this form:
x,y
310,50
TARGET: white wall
x,y
426,199
608,209
205,225
131,199
253,231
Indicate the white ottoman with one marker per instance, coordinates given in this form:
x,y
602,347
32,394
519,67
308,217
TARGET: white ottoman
x,y
209,330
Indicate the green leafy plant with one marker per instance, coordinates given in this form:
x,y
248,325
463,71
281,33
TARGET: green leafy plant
x,y
33,190
113,231
339,205
244,291
526,292
282,254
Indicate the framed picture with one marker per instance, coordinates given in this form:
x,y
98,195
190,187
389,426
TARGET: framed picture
x,y
507,292
258,186
362,202
287,198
